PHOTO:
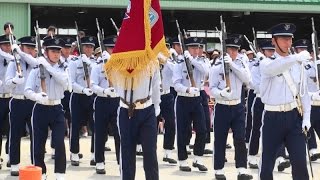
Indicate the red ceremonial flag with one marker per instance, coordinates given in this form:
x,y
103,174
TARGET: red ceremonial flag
x,y
158,43
132,56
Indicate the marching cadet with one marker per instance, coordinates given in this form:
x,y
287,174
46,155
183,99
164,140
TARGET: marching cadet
x,y
315,103
189,106
65,59
229,111
48,111
81,99
137,121
205,97
282,117
167,107
250,99
20,106
257,110
177,54
105,107
5,93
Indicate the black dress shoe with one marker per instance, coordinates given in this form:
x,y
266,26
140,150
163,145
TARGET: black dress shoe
x,y
185,168
220,177
283,165
253,166
207,151
315,157
228,146
100,171
107,149
169,160
14,173
244,177
92,163
75,163
200,167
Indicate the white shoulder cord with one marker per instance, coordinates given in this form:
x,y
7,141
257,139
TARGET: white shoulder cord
x,y
303,85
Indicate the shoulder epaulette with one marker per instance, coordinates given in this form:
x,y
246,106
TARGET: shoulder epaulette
x,y
217,63
99,62
180,61
74,58
257,64
36,67
308,66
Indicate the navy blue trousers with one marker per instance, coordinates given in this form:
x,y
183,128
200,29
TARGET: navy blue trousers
x,y
53,117
81,107
105,114
258,108
142,126
167,112
20,116
188,110
227,117
4,122
205,105
249,102
315,126
279,128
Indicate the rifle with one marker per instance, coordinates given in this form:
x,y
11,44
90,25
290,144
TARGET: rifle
x,y
114,25
85,66
251,45
226,66
15,54
255,42
314,38
186,60
39,54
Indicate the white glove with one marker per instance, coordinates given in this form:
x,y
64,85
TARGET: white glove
x,y
105,55
87,91
173,51
41,97
16,47
157,110
187,55
85,59
306,124
303,56
260,56
227,59
193,90
44,62
224,93
160,56
18,79
316,96
108,91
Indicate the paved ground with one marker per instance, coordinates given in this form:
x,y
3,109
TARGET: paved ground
x,y
85,172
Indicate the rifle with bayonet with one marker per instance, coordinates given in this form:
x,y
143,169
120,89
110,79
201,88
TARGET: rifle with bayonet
x,y
186,60
39,54
226,66
15,54
85,66
114,25
314,38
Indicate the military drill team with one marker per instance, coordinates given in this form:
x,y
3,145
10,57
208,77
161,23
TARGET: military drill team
x,y
46,88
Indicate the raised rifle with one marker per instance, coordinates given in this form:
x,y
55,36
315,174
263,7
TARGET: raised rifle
x,y
39,54
186,60
15,54
226,66
85,66
314,38
255,42
114,25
